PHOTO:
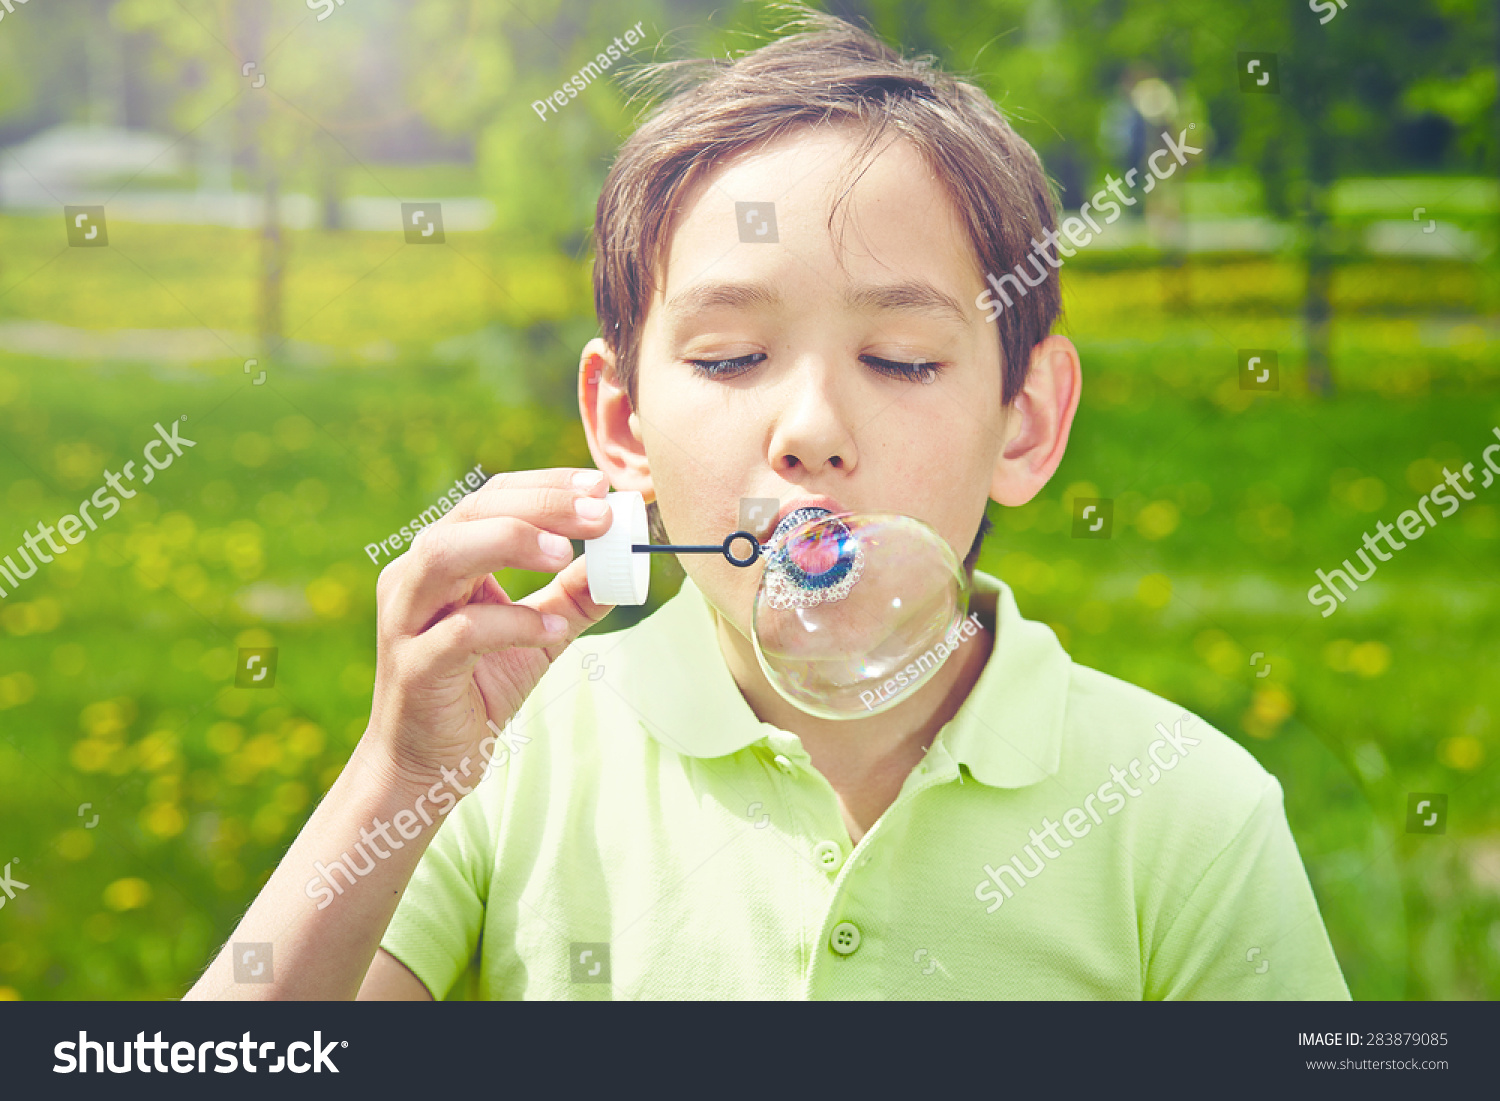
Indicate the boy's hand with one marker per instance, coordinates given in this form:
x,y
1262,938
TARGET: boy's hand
x,y
453,649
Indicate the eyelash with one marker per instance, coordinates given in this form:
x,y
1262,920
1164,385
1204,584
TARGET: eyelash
x,y
921,371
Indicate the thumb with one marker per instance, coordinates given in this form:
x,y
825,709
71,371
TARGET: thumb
x,y
567,595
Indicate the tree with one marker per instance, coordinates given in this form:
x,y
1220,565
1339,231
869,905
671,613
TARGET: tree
x,y
286,82
1348,87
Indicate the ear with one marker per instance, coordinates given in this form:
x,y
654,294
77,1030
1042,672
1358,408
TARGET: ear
x,y
1040,418
609,422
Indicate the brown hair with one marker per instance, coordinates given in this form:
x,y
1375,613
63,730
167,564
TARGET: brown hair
x,y
832,72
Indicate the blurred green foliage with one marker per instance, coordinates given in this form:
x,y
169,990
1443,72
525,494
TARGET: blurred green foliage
x,y
398,368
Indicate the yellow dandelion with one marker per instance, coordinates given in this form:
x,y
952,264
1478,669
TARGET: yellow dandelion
x,y
127,894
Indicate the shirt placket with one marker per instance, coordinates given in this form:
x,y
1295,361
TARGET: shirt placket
x,y
848,940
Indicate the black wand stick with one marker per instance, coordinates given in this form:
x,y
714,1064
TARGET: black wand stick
x,y
711,548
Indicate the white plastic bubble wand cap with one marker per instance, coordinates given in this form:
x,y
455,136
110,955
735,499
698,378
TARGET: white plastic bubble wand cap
x,y
619,571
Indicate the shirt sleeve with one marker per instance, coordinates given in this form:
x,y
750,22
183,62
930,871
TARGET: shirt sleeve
x,y
437,924
1250,928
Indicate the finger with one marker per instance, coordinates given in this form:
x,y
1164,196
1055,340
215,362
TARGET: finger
x,y
477,629
537,496
447,562
567,595
545,476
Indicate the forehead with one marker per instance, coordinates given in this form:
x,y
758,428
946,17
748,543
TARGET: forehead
x,y
895,217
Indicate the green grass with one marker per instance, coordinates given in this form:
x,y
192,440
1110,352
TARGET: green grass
x,y
348,290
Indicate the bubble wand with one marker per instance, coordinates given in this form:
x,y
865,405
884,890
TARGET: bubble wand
x,y
853,612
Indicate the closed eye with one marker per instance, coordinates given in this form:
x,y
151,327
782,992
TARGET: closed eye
x,y
920,371
726,368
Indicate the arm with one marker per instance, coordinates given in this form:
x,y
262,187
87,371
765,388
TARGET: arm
x,y
389,981
456,658
1250,929
326,954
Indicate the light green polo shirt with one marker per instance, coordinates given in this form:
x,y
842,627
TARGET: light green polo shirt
x,y
654,839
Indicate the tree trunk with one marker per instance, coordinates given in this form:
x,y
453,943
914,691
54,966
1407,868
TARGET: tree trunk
x,y
272,246
1492,300
1316,310
272,268
330,182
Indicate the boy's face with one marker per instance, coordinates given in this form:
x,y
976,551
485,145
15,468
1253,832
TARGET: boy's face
x,y
817,399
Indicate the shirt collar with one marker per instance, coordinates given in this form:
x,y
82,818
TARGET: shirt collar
x,y
1008,732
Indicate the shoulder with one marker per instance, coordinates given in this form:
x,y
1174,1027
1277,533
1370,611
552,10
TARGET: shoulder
x,y
1190,774
1081,725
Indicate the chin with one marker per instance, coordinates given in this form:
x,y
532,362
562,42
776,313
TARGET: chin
x,y
734,602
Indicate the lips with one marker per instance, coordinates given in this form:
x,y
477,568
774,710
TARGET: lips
x,y
814,506
812,558
795,518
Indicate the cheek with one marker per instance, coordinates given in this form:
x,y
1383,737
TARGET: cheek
x,y
947,478
701,452
696,498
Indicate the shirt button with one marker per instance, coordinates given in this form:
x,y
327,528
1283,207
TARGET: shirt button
x,y
784,763
829,854
845,938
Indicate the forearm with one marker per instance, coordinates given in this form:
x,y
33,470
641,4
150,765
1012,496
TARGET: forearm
x,y
324,953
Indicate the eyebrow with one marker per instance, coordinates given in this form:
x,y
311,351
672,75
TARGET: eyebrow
x,y
907,296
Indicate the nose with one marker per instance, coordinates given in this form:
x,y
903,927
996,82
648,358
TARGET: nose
x,y
812,432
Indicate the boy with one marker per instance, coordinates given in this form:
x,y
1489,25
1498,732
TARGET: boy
x,y
654,820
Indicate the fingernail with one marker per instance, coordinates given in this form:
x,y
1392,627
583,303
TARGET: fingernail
x,y
590,508
554,624
587,479
554,546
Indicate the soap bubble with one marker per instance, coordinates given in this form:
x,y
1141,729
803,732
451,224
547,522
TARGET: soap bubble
x,y
849,601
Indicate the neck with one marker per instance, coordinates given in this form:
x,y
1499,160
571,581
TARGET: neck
x,y
840,747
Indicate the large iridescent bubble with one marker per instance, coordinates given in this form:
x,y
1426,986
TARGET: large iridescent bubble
x,y
855,611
